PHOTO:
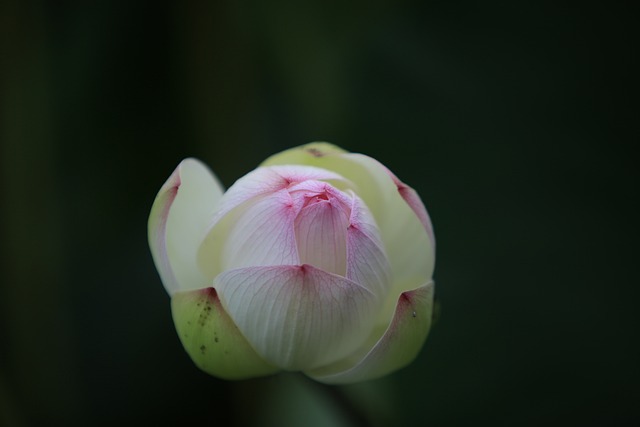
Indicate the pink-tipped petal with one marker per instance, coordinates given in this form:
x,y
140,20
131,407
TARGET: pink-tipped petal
x,y
298,317
212,339
258,233
321,229
367,261
177,222
263,181
396,348
263,234
415,203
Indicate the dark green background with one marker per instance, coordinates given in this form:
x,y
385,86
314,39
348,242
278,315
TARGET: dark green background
x,y
511,120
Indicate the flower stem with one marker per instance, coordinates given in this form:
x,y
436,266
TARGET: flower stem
x,y
353,414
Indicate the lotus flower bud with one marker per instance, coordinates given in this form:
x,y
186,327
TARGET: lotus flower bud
x,y
318,261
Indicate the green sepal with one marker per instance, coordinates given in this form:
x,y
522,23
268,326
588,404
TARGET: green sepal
x,y
311,154
212,339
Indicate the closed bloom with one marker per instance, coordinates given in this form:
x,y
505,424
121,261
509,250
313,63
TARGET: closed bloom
x,y
318,261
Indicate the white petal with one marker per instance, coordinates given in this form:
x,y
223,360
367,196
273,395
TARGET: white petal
x,y
367,262
213,341
386,352
321,230
297,317
263,234
177,222
257,233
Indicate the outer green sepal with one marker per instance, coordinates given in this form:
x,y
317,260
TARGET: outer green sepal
x,y
212,339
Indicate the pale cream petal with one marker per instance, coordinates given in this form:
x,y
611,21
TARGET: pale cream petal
x,y
178,220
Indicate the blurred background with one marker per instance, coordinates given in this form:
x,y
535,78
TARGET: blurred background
x,y
511,119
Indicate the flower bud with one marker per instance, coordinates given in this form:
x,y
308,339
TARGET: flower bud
x,y
317,261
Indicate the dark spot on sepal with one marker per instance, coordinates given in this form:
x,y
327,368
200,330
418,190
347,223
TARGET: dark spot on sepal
x,y
315,152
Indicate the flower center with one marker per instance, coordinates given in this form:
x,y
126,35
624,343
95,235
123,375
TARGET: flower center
x,y
321,228
315,198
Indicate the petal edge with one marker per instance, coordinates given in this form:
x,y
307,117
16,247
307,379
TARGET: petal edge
x,y
178,218
397,347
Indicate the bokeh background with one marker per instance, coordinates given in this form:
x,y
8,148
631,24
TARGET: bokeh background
x,y
511,119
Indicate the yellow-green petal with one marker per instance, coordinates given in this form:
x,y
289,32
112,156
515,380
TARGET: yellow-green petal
x,y
213,341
